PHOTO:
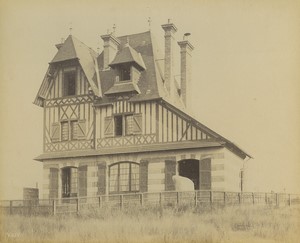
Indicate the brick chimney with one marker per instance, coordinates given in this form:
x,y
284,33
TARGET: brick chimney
x,y
185,70
110,45
170,29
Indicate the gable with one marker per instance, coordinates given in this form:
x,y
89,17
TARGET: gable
x,y
175,127
56,88
207,134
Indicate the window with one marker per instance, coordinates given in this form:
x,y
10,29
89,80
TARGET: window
x,y
69,87
125,73
118,125
123,125
69,130
124,177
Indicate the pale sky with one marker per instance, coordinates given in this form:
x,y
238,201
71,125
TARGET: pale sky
x,y
245,76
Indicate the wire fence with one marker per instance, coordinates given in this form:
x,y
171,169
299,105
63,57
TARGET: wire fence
x,y
162,199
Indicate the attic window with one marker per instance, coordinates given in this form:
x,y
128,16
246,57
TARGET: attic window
x,y
125,73
69,87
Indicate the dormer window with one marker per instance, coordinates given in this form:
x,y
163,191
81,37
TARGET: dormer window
x,y
69,83
125,73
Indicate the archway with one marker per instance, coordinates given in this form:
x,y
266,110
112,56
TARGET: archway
x,y
190,168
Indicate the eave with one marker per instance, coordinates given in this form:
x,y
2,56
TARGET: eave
x,y
131,149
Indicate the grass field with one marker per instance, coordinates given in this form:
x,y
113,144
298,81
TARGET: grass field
x,y
230,224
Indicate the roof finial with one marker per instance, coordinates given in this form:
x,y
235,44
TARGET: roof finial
x,y
169,21
149,22
114,29
70,28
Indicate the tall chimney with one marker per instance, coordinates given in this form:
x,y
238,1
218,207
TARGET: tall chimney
x,y
185,70
110,48
170,29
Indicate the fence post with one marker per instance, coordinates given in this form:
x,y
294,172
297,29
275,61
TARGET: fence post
x,y
277,200
160,199
121,201
196,199
142,199
100,204
177,198
290,201
54,207
211,197
224,198
253,198
77,205
266,198
10,207
239,197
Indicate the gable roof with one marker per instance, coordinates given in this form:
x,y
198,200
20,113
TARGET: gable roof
x,y
73,49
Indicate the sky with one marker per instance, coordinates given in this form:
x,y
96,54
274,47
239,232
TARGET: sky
x,y
245,76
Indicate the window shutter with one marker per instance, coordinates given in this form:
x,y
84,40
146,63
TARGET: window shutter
x,y
64,131
137,123
170,170
82,181
205,174
81,131
101,178
144,176
53,183
108,126
55,132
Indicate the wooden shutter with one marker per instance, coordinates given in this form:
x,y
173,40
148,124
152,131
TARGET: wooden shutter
x,y
55,132
53,183
81,131
64,131
170,170
102,178
108,127
205,174
144,176
82,181
137,123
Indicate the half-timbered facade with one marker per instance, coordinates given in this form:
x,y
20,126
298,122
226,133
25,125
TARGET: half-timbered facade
x,y
118,122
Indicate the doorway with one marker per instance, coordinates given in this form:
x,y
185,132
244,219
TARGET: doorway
x,y
190,168
69,182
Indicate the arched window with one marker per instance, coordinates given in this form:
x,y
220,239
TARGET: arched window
x,y
124,177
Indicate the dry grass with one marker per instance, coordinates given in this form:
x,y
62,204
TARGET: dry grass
x,y
231,224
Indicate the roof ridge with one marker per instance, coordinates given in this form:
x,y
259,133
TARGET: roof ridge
x,y
122,36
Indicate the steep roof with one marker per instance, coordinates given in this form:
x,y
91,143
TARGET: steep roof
x,y
128,55
87,57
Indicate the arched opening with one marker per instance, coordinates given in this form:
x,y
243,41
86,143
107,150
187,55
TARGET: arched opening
x,y
190,168
124,177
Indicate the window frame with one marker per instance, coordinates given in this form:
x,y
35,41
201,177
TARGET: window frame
x,y
66,81
70,129
129,181
124,121
125,73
